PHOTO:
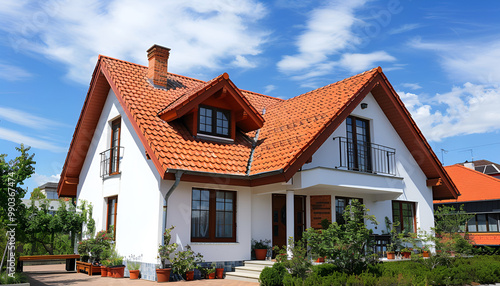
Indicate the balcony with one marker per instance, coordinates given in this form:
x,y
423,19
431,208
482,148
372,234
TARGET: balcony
x,y
110,161
365,157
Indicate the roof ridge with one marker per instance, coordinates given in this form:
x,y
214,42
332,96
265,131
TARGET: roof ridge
x,y
260,94
332,84
143,66
474,171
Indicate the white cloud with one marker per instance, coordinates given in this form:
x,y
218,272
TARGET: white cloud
x,y
13,73
27,119
42,179
328,31
202,34
243,62
405,28
413,86
361,62
469,109
16,137
477,61
269,88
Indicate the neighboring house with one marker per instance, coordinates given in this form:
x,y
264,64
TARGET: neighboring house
x,y
480,196
485,167
223,165
50,191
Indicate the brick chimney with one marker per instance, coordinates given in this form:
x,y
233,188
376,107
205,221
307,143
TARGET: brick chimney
x,y
158,65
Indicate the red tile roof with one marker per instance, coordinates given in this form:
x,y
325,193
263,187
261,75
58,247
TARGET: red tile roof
x,y
293,130
473,185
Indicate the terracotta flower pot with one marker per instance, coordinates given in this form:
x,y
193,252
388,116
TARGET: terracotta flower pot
x,y
111,272
163,275
190,275
104,271
211,275
320,259
260,254
119,272
134,274
220,273
391,255
406,254
426,254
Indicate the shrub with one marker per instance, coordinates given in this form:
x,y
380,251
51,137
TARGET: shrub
x,y
18,278
299,264
273,276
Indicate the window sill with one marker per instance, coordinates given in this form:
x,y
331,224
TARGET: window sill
x,y
113,175
214,243
214,138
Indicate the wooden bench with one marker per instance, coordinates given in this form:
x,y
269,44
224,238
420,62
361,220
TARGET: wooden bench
x,y
87,268
70,260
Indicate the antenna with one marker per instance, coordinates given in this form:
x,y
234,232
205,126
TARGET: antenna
x,y
471,153
442,155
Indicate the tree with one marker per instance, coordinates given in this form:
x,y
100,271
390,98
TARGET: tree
x,y
346,243
450,220
37,194
12,176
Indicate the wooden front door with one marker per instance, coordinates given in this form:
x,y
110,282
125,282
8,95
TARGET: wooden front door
x,y
279,218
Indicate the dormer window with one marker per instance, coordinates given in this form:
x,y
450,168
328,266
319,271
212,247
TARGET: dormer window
x,y
214,121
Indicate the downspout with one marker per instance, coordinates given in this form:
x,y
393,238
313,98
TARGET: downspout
x,y
254,144
178,176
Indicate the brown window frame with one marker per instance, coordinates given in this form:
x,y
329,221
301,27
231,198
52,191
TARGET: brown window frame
x,y
348,203
401,219
115,124
115,200
213,124
212,217
354,146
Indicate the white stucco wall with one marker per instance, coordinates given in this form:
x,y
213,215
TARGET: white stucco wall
x,y
137,187
179,215
409,179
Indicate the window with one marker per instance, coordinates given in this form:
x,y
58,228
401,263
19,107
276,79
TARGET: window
x,y
358,144
340,204
404,213
213,215
111,213
214,121
483,223
115,147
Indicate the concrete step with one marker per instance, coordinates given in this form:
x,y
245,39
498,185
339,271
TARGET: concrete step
x,y
250,272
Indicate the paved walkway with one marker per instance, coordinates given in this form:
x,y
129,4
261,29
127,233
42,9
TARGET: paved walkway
x,y
55,275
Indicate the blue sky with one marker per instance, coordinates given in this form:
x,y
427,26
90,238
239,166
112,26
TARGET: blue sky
x,y
442,57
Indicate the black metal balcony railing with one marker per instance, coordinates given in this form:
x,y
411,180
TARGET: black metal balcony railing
x,y
110,161
366,157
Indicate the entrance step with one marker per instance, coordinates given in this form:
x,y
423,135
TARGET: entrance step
x,y
250,272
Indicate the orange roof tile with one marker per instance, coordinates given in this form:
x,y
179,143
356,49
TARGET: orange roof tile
x,y
473,185
293,129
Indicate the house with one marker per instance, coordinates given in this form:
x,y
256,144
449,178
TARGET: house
x,y
480,196
223,165
49,189
485,167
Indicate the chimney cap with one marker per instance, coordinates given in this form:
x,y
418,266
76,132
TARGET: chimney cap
x,y
155,46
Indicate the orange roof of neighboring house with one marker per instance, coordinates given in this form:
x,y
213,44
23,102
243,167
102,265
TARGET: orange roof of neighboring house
x,y
293,129
473,185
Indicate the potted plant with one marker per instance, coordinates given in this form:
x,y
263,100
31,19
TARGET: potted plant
x,y
116,266
164,252
425,250
260,248
406,252
219,271
210,271
105,267
184,262
133,269
395,243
